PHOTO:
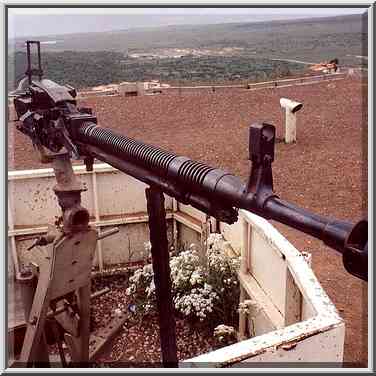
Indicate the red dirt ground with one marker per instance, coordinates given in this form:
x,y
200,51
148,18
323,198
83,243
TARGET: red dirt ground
x,y
325,171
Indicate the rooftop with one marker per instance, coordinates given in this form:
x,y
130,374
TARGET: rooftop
x,y
325,171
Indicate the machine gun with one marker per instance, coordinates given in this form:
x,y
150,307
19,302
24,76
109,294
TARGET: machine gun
x,y
49,115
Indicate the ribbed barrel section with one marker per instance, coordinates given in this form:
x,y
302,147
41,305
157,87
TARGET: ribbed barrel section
x,y
194,176
122,146
193,172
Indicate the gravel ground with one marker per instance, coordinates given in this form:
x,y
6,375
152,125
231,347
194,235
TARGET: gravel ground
x,y
325,171
137,344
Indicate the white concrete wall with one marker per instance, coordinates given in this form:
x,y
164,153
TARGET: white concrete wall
x,y
296,321
112,199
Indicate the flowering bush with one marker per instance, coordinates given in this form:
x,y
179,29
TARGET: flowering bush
x,y
198,303
186,270
248,307
222,273
201,289
225,334
142,289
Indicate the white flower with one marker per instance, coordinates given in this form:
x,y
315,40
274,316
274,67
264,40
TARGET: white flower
x,y
198,287
248,306
223,332
130,290
147,246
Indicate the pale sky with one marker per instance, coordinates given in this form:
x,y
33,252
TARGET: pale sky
x,y
53,21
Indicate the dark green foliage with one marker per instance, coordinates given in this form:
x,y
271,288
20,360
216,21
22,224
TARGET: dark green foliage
x,y
80,69
85,69
100,58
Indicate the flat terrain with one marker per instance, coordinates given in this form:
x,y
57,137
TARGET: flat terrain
x,y
325,171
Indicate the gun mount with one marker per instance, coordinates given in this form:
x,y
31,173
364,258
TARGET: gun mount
x,y
49,115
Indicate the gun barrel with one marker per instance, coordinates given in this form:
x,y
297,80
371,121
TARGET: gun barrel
x,y
332,232
199,184
192,176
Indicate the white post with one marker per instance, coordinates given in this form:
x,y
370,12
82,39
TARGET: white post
x,y
11,188
291,107
290,127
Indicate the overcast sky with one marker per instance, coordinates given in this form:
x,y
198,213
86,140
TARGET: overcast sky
x,y
39,22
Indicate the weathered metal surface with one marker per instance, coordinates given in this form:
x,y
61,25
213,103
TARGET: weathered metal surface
x,y
100,339
32,199
62,274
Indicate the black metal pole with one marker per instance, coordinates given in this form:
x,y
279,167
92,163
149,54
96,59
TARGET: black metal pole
x,y
28,72
162,279
39,63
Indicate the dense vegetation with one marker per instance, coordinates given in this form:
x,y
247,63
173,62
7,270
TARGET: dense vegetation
x,y
100,58
80,69
85,69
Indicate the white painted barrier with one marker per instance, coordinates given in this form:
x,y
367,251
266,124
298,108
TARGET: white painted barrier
x,y
295,320
112,199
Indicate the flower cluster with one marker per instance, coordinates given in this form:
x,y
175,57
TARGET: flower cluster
x,y
198,303
224,333
186,270
202,288
142,289
219,262
141,278
248,307
146,254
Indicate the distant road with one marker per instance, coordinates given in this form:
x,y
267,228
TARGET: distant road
x,y
359,56
295,61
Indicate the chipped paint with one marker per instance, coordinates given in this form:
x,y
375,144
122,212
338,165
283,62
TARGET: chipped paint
x,y
325,320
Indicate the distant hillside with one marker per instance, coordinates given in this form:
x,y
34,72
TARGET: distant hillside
x,y
98,58
292,38
91,68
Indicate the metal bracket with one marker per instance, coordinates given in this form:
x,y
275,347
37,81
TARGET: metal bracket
x,y
261,154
